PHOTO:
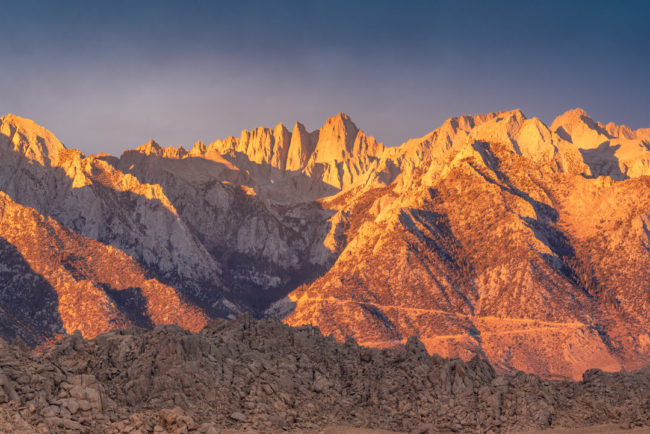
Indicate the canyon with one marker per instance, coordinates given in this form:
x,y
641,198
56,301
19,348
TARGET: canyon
x,y
493,235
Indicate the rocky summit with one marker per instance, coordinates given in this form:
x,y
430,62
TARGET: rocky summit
x,y
494,235
266,376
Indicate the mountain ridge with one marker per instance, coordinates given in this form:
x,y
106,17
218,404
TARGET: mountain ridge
x,y
493,234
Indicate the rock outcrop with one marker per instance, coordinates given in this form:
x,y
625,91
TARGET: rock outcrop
x,y
608,150
266,376
297,166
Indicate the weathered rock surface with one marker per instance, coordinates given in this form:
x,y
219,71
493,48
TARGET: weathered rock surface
x,y
266,376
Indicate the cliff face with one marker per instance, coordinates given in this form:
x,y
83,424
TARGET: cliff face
x,y
493,234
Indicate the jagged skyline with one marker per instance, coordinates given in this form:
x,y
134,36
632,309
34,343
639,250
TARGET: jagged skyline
x,y
111,76
496,225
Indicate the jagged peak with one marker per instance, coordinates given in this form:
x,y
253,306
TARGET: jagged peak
x,y
297,126
198,148
622,131
470,121
280,128
576,112
19,120
643,133
577,127
464,123
341,123
341,119
516,113
31,139
23,123
224,146
573,117
343,116
28,125
152,144
257,130
151,147
260,131
337,138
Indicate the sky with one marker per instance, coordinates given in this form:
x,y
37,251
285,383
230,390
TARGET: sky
x,y
110,75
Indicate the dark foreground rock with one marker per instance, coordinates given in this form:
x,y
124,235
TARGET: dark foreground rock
x,y
266,376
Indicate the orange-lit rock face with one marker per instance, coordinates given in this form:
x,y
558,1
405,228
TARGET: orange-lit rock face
x,y
87,275
493,234
299,166
500,245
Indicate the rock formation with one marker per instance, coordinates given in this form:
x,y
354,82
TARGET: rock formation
x,y
615,151
266,376
299,166
501,243
493,235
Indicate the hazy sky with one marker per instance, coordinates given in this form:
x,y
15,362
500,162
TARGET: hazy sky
x,y
110,75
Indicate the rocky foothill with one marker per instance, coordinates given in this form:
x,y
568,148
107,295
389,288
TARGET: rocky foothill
x,y
265,376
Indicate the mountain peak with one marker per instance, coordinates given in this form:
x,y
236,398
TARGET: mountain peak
x,y
578,111
153,148
622,131
150,148
279,128
198,148
341,119
572,117
10,117
336,139
297,126
577,126
301,147
385,242
30,139
341,115
515,113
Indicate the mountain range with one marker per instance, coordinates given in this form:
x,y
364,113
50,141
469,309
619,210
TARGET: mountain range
x,y
494,234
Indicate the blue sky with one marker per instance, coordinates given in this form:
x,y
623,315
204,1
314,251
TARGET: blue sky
x,y
110,75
